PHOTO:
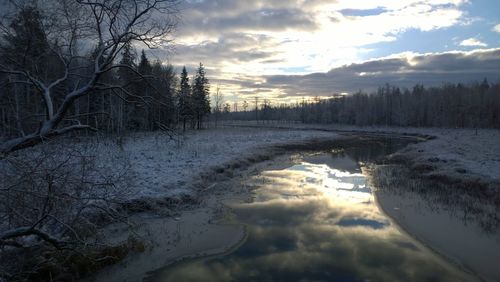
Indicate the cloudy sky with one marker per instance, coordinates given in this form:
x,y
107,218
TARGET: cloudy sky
x,y
286,50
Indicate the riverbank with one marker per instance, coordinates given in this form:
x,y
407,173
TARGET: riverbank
x,y
462,227
467,156
459,155
164,168
129,175
199,230
315,219
198,222
172,181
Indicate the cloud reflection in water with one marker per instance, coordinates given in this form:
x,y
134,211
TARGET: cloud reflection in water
x,y
317,222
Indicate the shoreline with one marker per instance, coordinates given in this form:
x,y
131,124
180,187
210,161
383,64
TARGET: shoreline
x,y
404,228
215,198
268,155
230,170
219,191
409,215
217,237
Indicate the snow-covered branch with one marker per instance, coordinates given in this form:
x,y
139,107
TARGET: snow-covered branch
x,y
30,231
114,24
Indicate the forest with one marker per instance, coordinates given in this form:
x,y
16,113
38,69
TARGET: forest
x,y
132,93
473,105
78,76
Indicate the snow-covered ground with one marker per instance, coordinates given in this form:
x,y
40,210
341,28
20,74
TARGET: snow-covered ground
x,y
456,153
460,154
160,167
163,168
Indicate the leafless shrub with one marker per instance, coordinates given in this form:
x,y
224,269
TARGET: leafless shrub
x,y
57,197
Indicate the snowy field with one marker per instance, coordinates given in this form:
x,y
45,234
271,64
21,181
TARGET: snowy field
x,y
456,153
157,166
152,169
172,169
160,167
460,154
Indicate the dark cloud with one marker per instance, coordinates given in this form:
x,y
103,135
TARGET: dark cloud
x,y
432,69
266,19
235,48
217,17
235,31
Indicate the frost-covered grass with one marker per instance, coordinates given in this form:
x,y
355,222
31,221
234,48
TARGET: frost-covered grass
x,y
460,154
455,153
161,167
63,192
140,167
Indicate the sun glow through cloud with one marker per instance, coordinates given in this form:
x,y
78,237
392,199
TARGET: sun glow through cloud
x,y
243,43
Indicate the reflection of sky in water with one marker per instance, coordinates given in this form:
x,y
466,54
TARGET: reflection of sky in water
x,y
316,222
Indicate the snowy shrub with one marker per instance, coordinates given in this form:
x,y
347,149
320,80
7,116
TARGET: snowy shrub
x,y
58,195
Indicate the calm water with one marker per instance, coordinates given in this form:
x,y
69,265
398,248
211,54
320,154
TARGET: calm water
x,y
318,221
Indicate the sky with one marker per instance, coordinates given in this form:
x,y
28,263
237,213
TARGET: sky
x,y
286,50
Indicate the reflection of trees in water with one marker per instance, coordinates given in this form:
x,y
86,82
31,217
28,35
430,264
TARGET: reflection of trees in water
x,y
459,200
371,150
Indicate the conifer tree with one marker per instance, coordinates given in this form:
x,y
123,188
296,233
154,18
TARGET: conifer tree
x,y
128,59
163,107
184,99
47,69
26,47
144,67
127,77
141,115
201,92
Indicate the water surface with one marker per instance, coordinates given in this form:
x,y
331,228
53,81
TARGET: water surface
x,y
318,220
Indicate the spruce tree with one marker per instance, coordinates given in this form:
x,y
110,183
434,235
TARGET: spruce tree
x,y
144,67
26,48
201,92
143,88
163,109
126,74
184,99
27,44
127,77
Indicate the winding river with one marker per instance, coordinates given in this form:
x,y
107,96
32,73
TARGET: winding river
x,y
318,219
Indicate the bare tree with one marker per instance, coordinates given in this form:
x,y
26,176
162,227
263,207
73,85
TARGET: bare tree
x,y
57,197
69,25
256,101
218,102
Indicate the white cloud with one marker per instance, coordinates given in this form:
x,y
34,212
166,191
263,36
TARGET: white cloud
x,y
404,70
320,37
472,42
496,28
251,38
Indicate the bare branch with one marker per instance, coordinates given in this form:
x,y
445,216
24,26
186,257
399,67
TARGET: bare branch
x,y
113,24
29,231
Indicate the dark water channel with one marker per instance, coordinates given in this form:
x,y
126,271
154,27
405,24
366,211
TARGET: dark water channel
x,y
318,220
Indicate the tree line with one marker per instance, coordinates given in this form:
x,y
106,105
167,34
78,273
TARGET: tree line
x,y
474,105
